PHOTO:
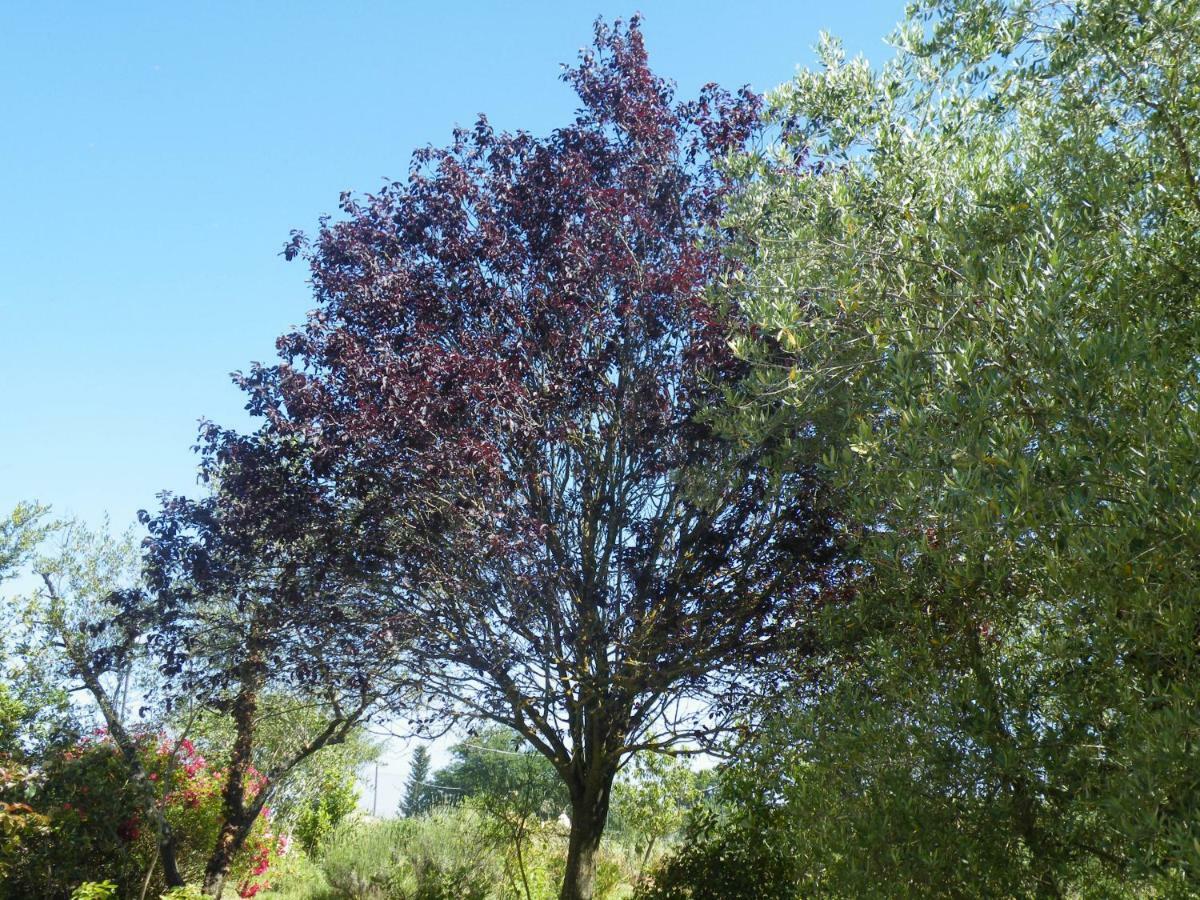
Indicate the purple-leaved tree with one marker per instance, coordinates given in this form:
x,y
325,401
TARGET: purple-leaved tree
x,y
517,345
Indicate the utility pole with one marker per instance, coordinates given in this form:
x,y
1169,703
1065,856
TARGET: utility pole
x,y
375,792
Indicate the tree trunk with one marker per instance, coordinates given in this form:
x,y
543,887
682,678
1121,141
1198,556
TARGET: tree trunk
x,y
237,816
164,834
230,840
589,815
77,653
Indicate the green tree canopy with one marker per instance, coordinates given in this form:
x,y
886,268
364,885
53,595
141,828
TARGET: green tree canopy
x,y
972,278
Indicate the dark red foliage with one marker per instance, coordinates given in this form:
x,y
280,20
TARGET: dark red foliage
x,y
262,587
270,547
482,302
518,341
517,345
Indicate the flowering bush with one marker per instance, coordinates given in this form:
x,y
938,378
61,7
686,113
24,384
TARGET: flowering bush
x,y
95,828
19,822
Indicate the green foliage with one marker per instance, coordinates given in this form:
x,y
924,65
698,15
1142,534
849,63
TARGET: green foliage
x,y
725,858
95,890
323,784
515,791
417,794
496,766
298,877
34,708
651,801
86,801
20,533
187,892
315,821
433,857
20,823
87,821
446,854
974,306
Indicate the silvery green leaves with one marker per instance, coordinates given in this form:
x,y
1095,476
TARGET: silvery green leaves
x,y
977,312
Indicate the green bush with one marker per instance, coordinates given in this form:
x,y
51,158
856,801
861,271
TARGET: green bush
x,y
87,824
299,877
187,892
437,856
95,890
723,860
448,854
359,857
316,821
443,856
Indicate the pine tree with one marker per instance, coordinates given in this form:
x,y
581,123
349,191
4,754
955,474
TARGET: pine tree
x,y
416,788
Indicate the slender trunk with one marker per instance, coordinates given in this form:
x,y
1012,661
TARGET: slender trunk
x,y
646,855
82,664
149,875
589,815
521,862
237,816
164,834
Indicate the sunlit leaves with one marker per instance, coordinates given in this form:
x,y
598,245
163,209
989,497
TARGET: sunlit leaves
x,y
983,306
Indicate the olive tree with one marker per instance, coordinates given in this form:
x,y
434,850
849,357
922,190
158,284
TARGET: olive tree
x,y
976,299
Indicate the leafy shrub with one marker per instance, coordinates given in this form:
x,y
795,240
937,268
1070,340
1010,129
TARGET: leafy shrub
x,y
439,856
297,876
317,820
91,828
359,857
20,823
95,890
721,860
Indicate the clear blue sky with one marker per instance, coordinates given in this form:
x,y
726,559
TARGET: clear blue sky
x,y
154,157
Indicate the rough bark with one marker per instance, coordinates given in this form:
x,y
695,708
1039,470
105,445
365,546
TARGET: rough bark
x,y
236,814
589,815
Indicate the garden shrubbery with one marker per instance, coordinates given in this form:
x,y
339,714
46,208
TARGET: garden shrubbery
x,y
449,853
77,818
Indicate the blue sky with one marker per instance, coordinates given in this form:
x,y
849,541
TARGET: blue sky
x,y
154,158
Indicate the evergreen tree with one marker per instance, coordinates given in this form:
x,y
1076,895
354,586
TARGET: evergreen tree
x,y
417,798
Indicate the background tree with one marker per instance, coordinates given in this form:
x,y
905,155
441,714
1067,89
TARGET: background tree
x,y
514,788
253,609
651,803
497,762
417,797
979,306
35,709
20,533
517,343
23,699
69,628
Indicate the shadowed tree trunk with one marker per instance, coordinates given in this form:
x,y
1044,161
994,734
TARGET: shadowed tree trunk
x,y
589,814
237,815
